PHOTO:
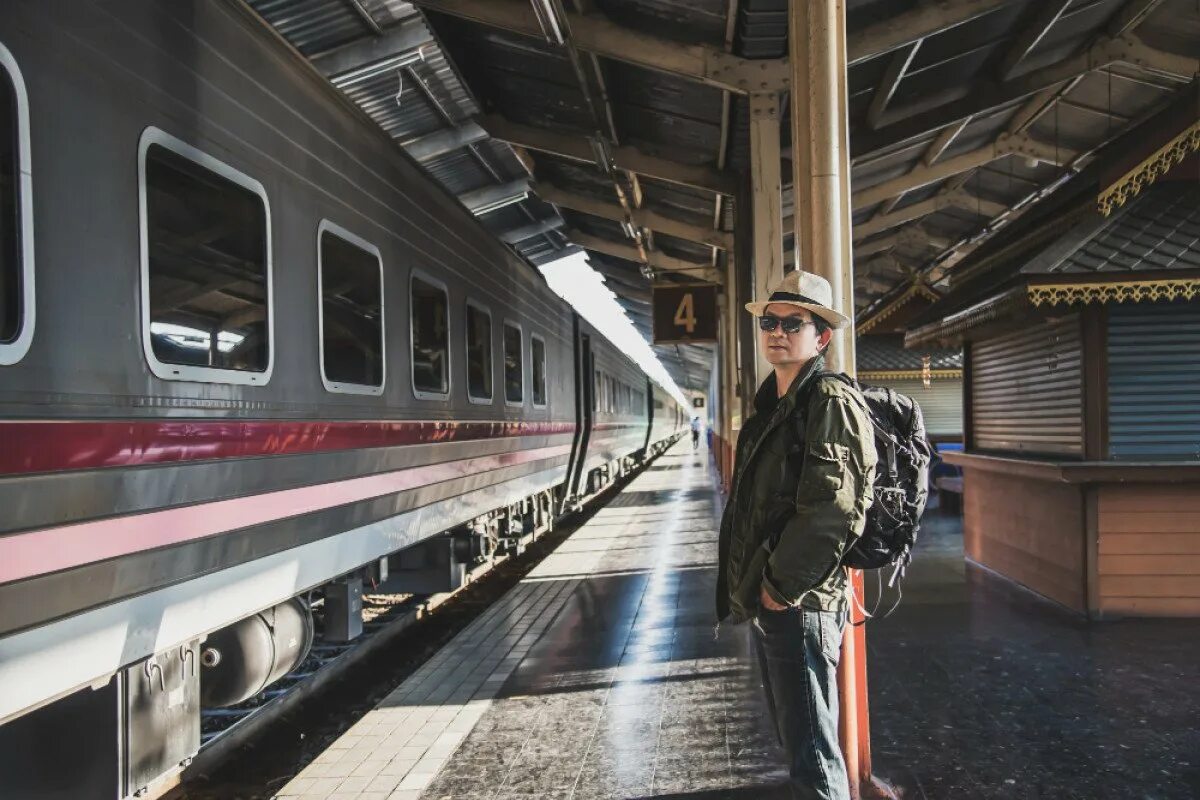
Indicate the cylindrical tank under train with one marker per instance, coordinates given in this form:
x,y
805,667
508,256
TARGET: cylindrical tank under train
x,y
249,351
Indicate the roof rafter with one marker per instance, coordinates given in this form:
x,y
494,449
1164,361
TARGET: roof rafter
x,y
915,123
578,148
642,217
922,175
890,82
923,21
924,208
596,34
657,261
913,236
1028,39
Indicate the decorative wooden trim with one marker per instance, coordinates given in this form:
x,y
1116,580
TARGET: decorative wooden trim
x,y
968,404
918,289
908,374
1150,170
1144,291
994,308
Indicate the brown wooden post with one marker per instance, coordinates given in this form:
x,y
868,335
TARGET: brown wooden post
x,y
1095,442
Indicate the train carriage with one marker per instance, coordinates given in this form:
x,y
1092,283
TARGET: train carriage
x,y
249,346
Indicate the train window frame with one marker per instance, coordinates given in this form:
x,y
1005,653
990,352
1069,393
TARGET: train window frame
x,y
475,304
15,349
424,394
164,370
533,361
508,323
343,387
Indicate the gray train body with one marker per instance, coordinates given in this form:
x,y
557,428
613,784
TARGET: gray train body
x,y
231,496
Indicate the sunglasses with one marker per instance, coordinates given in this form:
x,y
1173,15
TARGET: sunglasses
x,y
769,322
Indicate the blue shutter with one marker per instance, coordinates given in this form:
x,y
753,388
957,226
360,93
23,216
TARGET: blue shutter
x,y
1154,381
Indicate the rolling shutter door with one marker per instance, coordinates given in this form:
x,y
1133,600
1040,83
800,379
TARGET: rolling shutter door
x,y
1027,390
941,403
1154,381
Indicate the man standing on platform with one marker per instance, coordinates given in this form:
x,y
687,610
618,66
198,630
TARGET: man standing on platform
x,y
804,470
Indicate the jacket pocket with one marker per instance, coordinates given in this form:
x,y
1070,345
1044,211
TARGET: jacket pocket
x,y
831,625
750,581
824,469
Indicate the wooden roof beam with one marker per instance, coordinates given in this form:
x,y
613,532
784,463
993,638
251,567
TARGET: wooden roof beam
x,y
642,217
923,175
925,208
921,22
1048,13
890,82
904,125
578,148
912,236
657,261
594,33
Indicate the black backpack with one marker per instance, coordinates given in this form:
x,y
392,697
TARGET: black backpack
x,y
901,479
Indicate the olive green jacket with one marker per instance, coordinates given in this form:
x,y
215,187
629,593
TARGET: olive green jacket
x,y
803,476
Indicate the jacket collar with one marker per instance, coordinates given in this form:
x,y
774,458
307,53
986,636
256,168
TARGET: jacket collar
x,y
767,396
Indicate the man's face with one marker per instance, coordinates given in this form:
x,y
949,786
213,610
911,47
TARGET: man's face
x,y
780,347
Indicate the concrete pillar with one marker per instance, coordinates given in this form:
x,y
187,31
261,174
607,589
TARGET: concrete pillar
x,y
766,187
821,181
821,156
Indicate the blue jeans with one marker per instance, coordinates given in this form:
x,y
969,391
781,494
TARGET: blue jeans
x,y
798,651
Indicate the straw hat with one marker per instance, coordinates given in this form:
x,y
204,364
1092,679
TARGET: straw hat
x,y
803,290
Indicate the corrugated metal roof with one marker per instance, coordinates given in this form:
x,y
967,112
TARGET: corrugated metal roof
x,y
313,26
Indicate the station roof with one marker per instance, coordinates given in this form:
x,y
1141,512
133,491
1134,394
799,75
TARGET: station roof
x,y
630,138
1159,230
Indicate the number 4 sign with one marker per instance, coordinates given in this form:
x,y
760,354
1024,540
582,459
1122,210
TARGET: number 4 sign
x,y
685,313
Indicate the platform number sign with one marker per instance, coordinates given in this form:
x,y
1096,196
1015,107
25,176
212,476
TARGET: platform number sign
x,y
685,313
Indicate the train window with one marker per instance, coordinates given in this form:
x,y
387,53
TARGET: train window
x,y
350,274
206,266
479,353
537,351
514,373
430,310
16,218
595,391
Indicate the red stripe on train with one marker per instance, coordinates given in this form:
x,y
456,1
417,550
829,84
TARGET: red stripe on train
x,y
55,446
25,555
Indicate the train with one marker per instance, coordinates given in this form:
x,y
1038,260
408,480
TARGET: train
x,y
250,353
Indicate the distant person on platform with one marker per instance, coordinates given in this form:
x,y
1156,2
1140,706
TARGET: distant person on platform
x,y
695,432
805,466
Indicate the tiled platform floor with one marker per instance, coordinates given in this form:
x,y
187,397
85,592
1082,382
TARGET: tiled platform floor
x,y
598,677
980,689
